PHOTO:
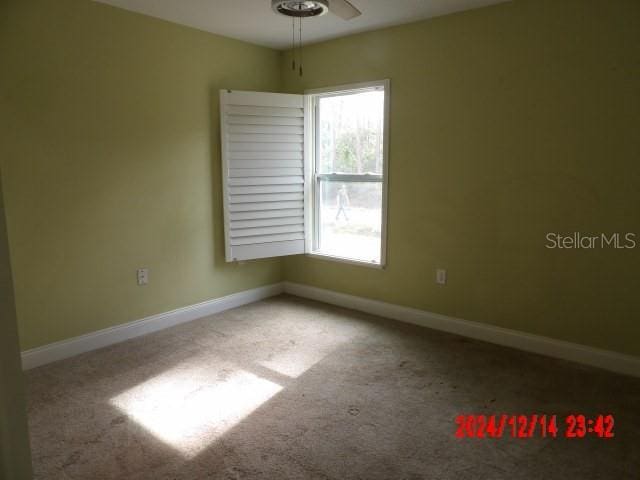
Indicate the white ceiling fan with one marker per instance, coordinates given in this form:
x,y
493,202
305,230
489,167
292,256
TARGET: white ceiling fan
x,y
301,9
314,8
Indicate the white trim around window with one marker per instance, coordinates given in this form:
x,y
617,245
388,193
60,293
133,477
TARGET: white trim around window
x,y
313,176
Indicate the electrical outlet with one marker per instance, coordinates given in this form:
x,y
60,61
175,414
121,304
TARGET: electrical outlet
x,y
441,276
143,276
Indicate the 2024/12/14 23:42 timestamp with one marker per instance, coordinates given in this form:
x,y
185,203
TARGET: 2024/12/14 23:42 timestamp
x,y
528,426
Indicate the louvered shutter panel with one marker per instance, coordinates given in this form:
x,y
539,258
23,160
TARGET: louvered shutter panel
x,y
262,137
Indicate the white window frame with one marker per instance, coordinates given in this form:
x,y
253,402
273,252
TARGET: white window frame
x,y
312,177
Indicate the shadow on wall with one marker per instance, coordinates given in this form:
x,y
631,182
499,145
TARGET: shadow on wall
x,y
216,176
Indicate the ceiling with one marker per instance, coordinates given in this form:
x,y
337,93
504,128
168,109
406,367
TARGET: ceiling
x,y
253,20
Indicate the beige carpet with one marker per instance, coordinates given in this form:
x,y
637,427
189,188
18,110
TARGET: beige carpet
x,y
292,389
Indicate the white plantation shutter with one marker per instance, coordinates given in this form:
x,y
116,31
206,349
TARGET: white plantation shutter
x,y
262,137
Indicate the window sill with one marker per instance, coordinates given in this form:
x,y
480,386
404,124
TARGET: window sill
x,y
350,261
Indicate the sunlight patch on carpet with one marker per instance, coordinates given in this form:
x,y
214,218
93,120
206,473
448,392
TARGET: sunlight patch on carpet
x,y
189,408
295,362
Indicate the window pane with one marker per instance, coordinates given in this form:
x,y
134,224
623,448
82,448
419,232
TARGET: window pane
x,y
350,217
350,130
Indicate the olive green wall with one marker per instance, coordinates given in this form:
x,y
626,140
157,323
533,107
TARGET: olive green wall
x,y
507,122
15,456
109,148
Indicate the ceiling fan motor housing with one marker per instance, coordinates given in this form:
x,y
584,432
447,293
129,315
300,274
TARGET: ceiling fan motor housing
x,y
300,8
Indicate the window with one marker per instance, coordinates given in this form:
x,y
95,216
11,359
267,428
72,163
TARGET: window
x,y
347,153
305,173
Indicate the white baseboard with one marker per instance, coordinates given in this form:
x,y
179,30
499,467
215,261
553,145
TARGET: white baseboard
x,y
605,359
102,338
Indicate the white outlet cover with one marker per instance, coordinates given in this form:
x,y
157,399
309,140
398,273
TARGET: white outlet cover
x,y
143,276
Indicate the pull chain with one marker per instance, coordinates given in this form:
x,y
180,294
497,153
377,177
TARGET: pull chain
x,y
300,46
293,43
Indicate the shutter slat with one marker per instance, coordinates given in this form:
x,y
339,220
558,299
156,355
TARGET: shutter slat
x,y
266,222
266,250
266,189
265,164
253,99
273,129
264,147
266,181
266,197
265,155
264,172
268,238
264,111
254,120
247,207
263,214
265,138
254,232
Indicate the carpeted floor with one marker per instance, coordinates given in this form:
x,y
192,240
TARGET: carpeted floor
x,y
293,389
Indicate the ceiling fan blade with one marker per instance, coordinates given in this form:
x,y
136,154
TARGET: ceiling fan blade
x,y
344,9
